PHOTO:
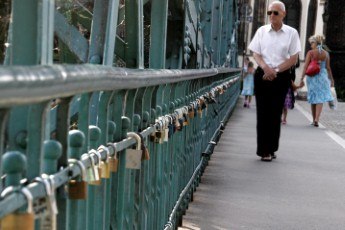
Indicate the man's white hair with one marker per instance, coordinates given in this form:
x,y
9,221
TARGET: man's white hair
x,y
281,5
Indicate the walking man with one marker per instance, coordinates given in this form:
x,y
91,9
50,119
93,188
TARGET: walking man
x,y
275,48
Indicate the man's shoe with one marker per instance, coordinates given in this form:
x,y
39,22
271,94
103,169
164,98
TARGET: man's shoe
x,y
274,156
269,158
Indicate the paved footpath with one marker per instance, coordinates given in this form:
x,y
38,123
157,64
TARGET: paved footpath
x,y
303,189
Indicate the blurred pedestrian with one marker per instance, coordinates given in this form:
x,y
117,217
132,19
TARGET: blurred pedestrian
x,y
248,85
289,101
319,90
290,96
275,48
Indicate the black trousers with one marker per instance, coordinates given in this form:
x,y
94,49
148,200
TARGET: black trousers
x,y
270,98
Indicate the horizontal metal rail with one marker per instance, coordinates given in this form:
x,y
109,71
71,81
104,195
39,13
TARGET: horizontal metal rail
x,y
40,83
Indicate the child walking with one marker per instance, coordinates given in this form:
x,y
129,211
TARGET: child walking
x,y
289,101
248,85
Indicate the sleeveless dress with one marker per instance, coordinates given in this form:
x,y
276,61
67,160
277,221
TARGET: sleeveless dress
x,y
248,85
319,86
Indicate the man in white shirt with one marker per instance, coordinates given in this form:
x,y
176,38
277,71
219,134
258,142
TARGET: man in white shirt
x,y
275,49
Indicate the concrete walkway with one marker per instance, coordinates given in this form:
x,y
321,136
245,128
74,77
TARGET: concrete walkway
x,y
304,188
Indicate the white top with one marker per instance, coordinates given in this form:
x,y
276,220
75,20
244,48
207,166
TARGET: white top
x,y
275,46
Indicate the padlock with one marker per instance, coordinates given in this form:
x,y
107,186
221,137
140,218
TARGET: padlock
x,y
159,135
185,120
153,137
160,132
191,111
19,220
114,163
166,128
180,120
177,124
90,171
145,151
99,161
113,160
48,220
96,170
77,189
105,166
48,182
133,156
171,130
199,107
203,103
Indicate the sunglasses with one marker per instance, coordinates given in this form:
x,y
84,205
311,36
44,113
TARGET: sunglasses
x,y
276,13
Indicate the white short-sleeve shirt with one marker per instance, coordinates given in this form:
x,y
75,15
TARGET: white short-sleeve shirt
x,y
275,46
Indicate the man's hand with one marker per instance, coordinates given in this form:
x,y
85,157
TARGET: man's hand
x,y
270,74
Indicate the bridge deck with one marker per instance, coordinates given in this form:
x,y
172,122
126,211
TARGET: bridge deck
x,y
302,189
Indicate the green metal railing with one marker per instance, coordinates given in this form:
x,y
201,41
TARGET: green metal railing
x,y
74,129
157,103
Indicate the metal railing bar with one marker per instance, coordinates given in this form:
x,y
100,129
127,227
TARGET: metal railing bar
x,y
32,84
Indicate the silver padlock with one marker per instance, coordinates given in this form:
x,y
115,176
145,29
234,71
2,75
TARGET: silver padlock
x,y
133,156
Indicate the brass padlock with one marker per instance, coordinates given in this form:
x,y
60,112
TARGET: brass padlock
x,y
113,160
185,120
105,164
191,111
77,188
114,163
20,220
105,169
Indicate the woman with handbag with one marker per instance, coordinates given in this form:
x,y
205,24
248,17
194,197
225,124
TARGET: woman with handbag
x,y
319,78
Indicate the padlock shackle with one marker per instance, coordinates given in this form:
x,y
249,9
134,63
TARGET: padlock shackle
x,y
137,138
97,154
170,119
81,166
104,148
48,184
29,198
112,149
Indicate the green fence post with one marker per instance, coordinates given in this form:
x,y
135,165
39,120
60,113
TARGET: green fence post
x,y
101,192
110,192
14,165
52,152
95,134
76,140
